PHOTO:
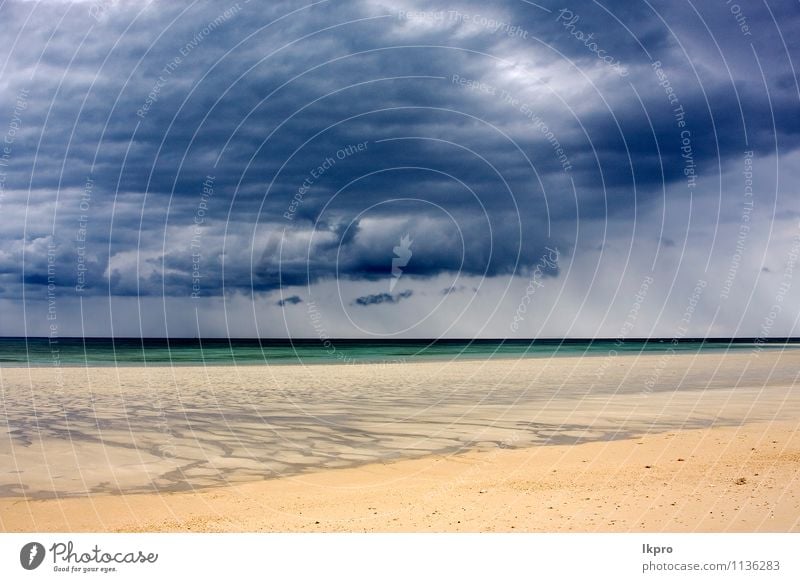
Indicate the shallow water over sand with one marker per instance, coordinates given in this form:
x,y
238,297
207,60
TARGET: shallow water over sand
x,y
71,431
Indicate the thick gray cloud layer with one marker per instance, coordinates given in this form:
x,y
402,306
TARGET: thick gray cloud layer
x,y
212,149
379,298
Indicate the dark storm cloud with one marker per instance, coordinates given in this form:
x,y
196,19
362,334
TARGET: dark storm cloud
x,y
323,143
457,289
379,298
291,300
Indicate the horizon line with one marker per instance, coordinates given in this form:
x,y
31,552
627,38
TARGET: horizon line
x,y
732,339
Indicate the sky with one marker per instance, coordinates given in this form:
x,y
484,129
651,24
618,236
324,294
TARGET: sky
x,y
399,169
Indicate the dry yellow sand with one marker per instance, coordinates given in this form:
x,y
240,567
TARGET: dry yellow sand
x,y
706,480
550,444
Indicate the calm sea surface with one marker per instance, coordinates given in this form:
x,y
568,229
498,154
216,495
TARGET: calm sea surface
x,y
194,352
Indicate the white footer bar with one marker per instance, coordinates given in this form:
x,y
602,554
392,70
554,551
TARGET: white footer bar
x,y
386,557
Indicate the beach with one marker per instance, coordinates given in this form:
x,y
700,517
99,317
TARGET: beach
x,y
728,480
658,442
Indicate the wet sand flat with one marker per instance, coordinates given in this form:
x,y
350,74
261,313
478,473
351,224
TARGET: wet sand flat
x,y
701,480
247,448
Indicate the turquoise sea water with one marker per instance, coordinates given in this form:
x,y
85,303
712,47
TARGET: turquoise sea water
x,y
153,351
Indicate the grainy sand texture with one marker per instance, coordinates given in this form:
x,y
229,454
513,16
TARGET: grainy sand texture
x,y
669,442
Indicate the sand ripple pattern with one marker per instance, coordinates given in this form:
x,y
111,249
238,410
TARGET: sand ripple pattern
x,y
74,431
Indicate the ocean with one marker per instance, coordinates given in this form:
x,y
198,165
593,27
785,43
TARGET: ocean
x,y
39,351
